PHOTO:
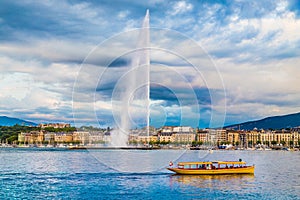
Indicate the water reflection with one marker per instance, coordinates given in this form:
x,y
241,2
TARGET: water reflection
x,y
219,182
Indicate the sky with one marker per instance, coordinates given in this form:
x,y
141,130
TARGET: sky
x,y
213,63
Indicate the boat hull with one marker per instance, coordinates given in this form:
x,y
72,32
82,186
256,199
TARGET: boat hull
x,y
243,170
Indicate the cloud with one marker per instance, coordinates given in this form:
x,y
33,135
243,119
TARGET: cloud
x,y
244,38
123,14
48,47
50,50
266,89
181,7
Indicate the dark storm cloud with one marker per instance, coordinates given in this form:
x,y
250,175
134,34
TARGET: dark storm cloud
x,y
181,95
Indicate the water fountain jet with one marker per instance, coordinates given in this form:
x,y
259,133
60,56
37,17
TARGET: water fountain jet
x,y
135,88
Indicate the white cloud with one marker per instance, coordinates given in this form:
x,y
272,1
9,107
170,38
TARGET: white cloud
x,y
255,47
181,7
51,50
16,85
123,14
255,91
64,9
261,38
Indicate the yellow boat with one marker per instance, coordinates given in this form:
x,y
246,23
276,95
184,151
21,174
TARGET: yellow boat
x,y
211,168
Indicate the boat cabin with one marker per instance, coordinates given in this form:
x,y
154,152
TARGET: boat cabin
x,y
212,165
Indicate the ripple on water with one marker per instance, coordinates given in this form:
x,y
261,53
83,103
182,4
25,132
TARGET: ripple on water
x,y
79,175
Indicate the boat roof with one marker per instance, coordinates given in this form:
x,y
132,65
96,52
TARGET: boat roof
x,y
230,162
193,163
213,162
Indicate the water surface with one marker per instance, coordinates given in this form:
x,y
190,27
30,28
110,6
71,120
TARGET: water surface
x,y
44,174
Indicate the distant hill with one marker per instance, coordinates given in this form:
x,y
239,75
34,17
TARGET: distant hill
x,y
275,122
9,121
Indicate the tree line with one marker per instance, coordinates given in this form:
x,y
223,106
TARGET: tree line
x,y
9,134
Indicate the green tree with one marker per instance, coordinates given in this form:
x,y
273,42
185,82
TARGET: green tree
x,y
250,143
133,142
258,142
267,143
5,136
164,142
66,129
12,139
49,129
273,142
282,142
194,143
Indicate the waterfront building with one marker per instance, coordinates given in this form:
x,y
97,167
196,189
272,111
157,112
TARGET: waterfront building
x,y
167,129
282,137
33,137
144,138
183,129
170,134
295,138
268,138
202,136
217,136
167,137
165,134
286,137
133,136
49,137
221,136
81,137
21,138
96,137
243,139
253,137
62,137
183,135
233,137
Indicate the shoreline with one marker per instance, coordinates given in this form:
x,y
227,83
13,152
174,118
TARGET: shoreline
x,y
113,148
142,148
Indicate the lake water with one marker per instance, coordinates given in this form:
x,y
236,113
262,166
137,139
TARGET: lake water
x,y
134,174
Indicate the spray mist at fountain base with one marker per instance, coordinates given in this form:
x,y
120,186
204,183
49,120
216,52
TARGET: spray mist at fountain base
x,y
119,138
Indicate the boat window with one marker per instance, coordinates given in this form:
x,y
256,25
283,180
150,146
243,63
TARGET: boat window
x,y
194,166
186,166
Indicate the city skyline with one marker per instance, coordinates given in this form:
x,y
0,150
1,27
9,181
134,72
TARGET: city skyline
x,y
254,47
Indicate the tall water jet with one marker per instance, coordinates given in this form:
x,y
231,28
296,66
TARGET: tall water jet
x,y
133,89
